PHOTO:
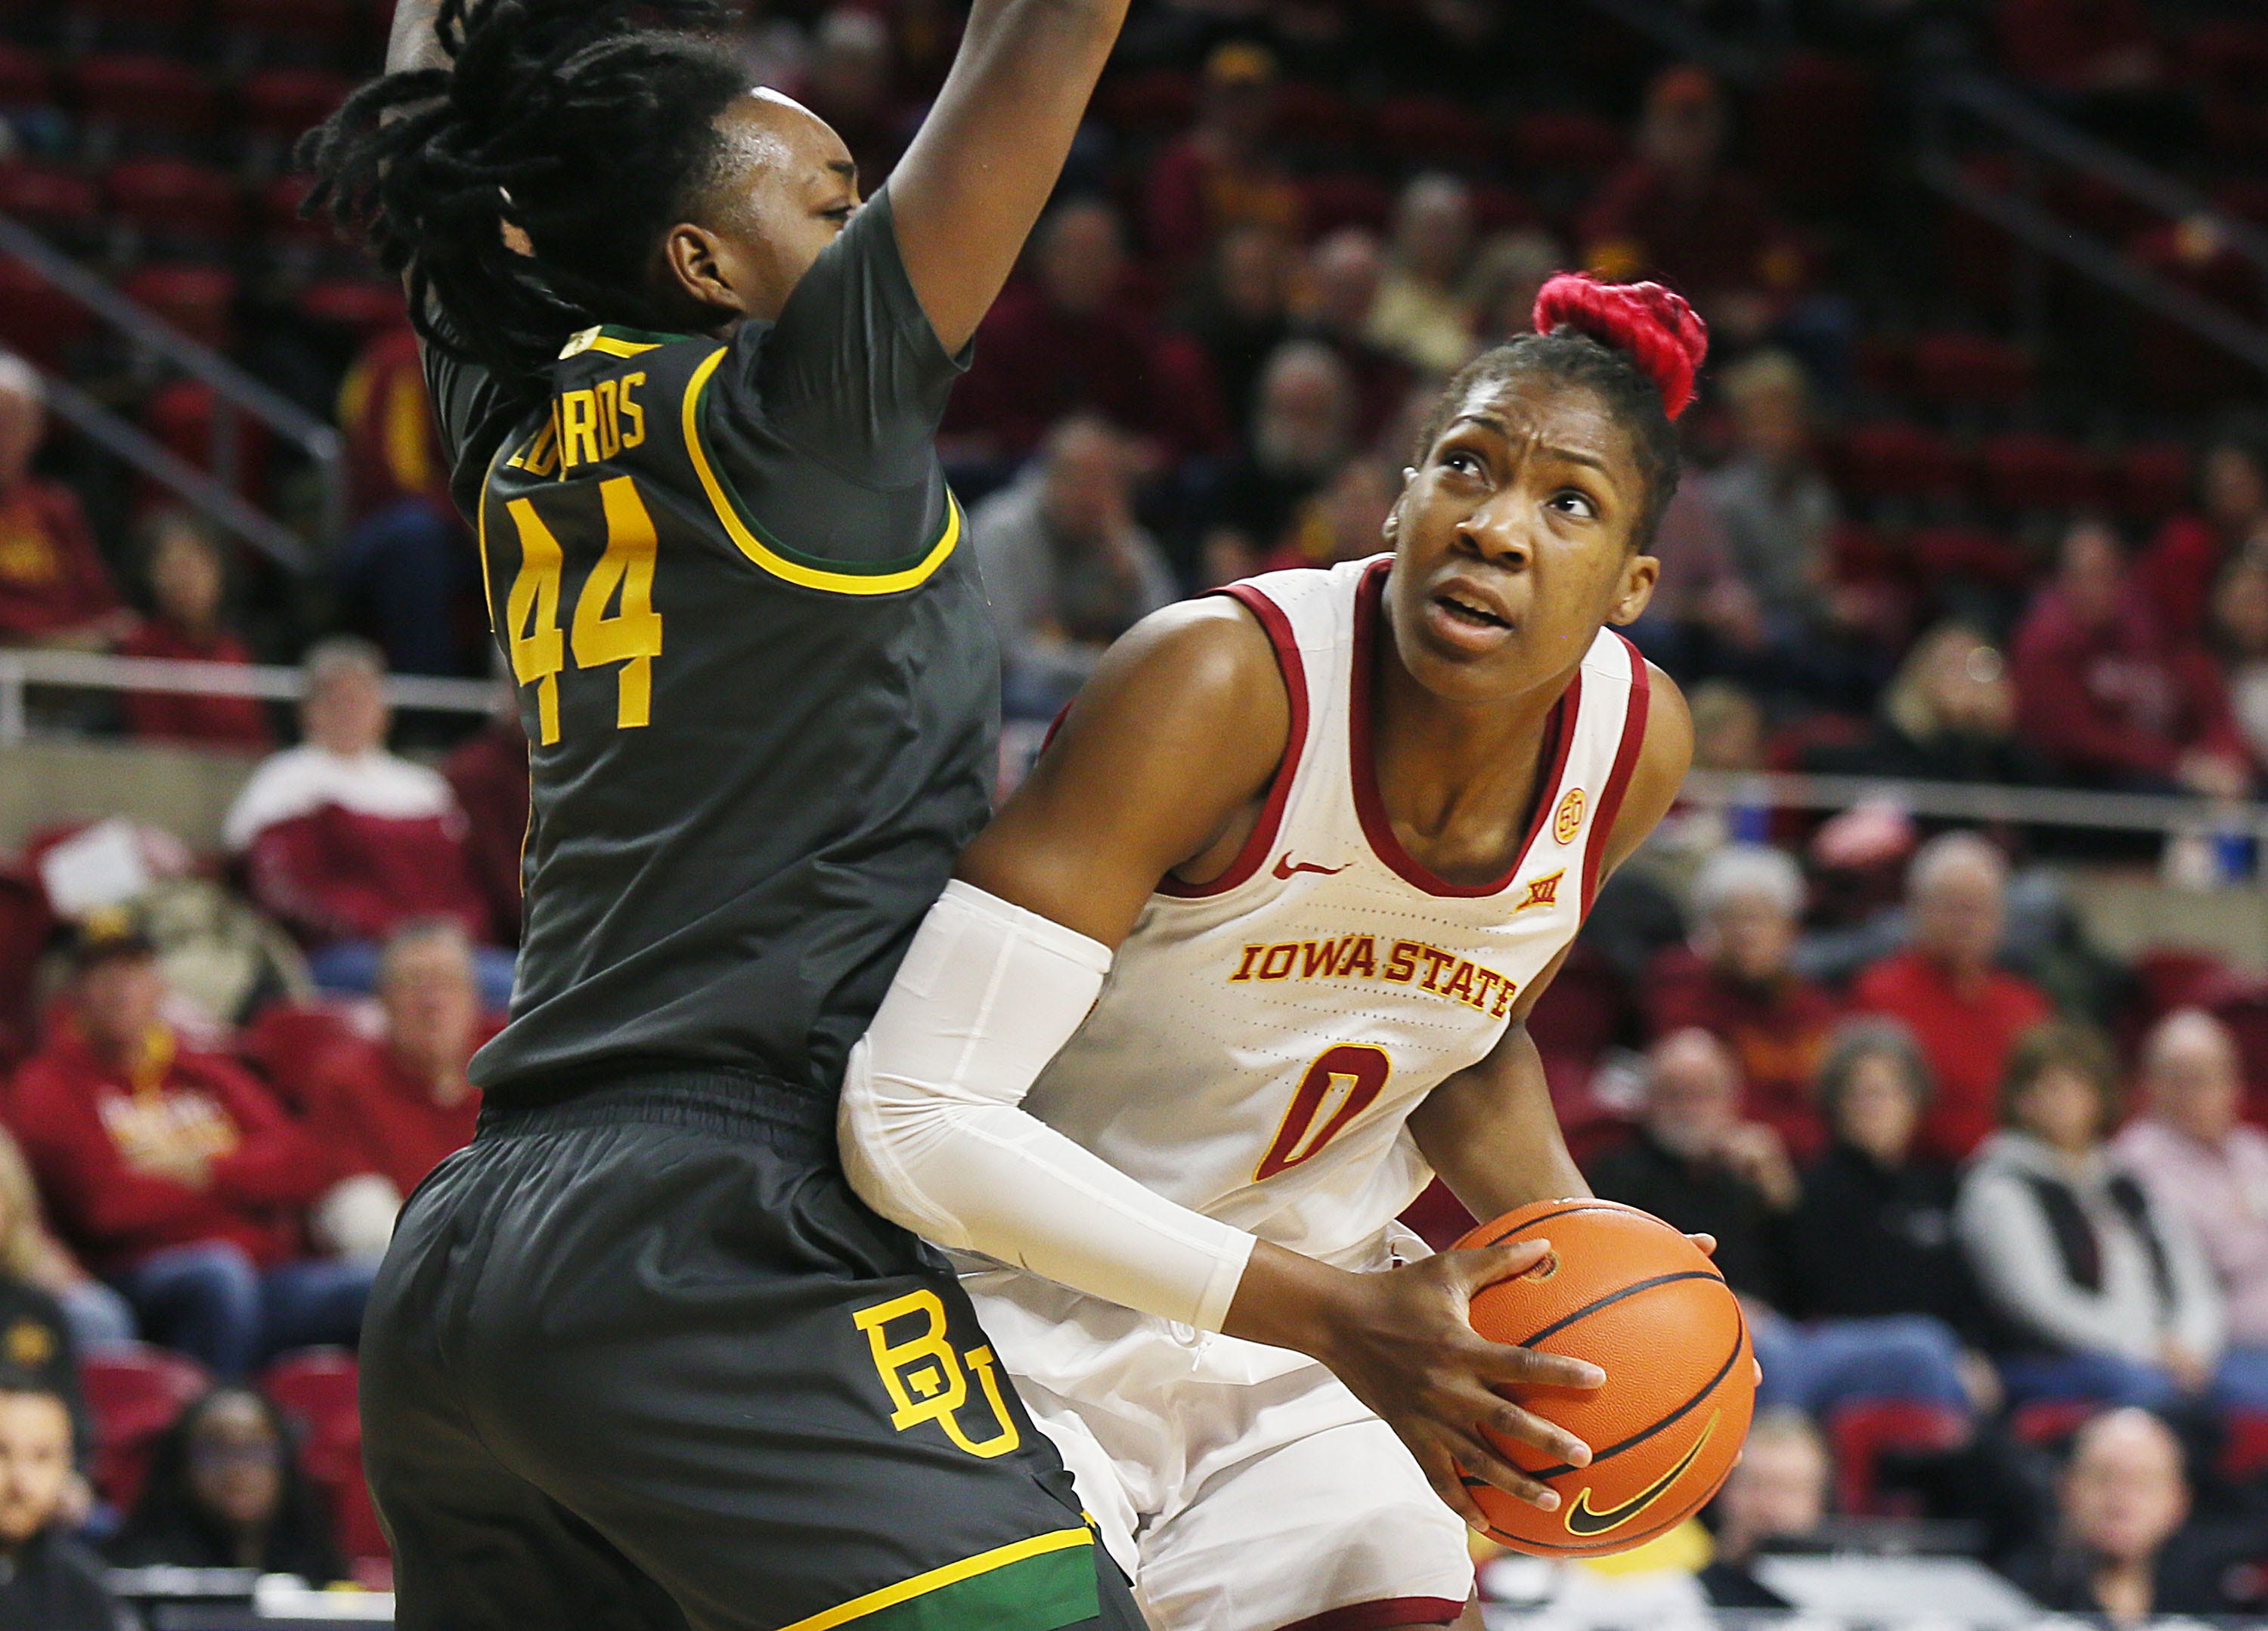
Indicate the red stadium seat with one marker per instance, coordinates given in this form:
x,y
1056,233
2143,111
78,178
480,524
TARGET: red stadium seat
x,y
1955,370
1157,102
2245,1452
49,197
1313,116
2032,470
278,210
180,413
1497,207
26,925
133,1395
25,80
1432,131
363,304
1899,459
284,103
1334,200
176,200
37,318
2226,59
2046,1421
198,300
1566,140
1861,1431
146,93
1812,128
315,1387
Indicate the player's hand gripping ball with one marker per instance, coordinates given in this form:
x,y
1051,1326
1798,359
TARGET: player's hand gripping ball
x,y
1625,1291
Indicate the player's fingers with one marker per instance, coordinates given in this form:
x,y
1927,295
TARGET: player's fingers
x,y
1509,1420
1441,1470
1511,1366
1481,1461
1707,1243
1484,1265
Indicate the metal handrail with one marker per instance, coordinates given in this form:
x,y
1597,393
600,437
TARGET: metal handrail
x,y
1991,803
22,669
234,391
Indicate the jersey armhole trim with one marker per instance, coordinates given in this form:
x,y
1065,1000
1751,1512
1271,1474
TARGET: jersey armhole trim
x,y
1626,752
1263,836
843,577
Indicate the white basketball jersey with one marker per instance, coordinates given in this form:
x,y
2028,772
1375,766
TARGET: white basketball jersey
x,y
1262,1039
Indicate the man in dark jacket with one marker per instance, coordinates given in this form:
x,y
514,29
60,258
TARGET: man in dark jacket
x,y
47,1581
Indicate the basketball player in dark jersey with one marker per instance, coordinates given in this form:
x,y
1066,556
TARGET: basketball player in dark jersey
x,y
638,1357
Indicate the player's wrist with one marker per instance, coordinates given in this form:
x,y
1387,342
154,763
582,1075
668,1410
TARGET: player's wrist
x,y
1285,1300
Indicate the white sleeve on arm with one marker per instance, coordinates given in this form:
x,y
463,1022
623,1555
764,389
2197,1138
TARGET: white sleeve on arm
x,y
935,1137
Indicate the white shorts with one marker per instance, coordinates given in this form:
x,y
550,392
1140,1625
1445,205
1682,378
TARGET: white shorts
x,y
1243,1488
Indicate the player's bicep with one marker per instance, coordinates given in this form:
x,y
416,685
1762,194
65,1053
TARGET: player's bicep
x,y
1181,726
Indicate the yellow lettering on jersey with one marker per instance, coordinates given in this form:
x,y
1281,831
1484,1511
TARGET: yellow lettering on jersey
x,y
1355,957
632,412
1361,958
1436,960
578,435
1402,963
610,422
922,1375
1542,891
632,636
1318,956
531,617
542,451
1273,967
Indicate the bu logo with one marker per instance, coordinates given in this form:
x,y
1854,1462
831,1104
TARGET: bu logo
x,y
923,1376
1542,891
1569,821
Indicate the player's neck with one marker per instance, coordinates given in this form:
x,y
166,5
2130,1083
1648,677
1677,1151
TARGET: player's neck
x,y
1445,768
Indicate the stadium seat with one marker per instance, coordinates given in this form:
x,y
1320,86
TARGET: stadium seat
x,y
25,80
1812,129
38,319
1498,208
198,300
2043,1422
1430,131
133,1393
26,927
1899,459
2032,470
180,413
1317,118
2149,481
360,304
1567,139
175,200
55,200
2244,1451
2226,59
278,209
1156,102
1859,1432
151,94
1344,199
1959,369
284,103
315,1387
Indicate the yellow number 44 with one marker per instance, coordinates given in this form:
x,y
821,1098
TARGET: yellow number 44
x,y
623,578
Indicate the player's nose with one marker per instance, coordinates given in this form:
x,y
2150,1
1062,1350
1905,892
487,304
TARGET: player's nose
x,y
1498,532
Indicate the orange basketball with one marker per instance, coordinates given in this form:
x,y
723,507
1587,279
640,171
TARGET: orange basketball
x,y
1625,1291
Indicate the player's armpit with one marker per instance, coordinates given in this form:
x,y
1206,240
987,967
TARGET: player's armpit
x,y
1490,1133
1160,762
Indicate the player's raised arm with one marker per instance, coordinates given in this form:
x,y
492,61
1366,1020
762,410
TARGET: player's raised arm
x,y
981,167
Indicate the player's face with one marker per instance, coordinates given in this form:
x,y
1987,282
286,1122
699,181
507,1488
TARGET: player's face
x,y
1513,543
784,187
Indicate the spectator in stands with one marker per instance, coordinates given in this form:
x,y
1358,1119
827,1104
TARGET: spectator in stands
x,y
1775,504
1697,1167
1069,341
1734,979
51,1309
1344,521
47,1581
2120,1500
1873,1236
2176,572
849,83
225,1489
2200,1163
1423,313
1508,272
189,577
2109,697
1675,211
2080,44
488,773
1239,312
1342,277
1224,173
1777,1492
2240,640
1963,1011
2103,1294
1948,716
175,1171
1067,568
55,589
1301,432
342,840
407,568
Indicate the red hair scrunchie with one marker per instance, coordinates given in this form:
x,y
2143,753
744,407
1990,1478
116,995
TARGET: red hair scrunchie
x,y
1665,336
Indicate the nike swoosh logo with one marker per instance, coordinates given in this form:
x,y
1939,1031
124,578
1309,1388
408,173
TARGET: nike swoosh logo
x,y
1286,867
1582,1520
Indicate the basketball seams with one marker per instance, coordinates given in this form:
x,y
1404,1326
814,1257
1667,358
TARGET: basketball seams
x,y
1613,1297
1740,1342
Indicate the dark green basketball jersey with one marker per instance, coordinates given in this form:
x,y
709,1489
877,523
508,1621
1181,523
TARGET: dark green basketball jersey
x,y
755,669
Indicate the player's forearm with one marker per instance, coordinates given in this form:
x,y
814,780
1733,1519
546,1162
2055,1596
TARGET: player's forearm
x,y
412,43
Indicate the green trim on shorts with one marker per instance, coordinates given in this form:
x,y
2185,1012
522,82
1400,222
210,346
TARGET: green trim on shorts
x,y
1038,1584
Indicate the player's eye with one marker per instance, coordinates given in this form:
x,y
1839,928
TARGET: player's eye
x,y
1460,461
1567,501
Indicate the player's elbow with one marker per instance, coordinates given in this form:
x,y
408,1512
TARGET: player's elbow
x,y
879,1134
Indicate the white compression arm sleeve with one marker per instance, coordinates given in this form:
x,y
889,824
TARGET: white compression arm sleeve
x,y
933,1135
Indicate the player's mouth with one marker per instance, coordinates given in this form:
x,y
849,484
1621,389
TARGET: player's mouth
x,y
1466,620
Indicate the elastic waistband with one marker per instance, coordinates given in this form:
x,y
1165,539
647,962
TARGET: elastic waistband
x,y
730,1106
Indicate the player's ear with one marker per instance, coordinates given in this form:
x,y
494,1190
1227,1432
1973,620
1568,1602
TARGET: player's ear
x,y
1640,574
695,268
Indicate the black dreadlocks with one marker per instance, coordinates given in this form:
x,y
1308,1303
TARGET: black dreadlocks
x,y
1567,355
564,118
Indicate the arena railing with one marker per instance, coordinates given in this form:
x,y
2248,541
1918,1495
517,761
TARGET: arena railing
x,y
236,396
23,670
1982,803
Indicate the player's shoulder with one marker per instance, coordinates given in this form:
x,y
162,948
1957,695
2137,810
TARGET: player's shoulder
x,y
1665,754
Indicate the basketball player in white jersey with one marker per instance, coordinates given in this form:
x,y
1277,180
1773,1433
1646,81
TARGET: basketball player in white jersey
x,y
1245,962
